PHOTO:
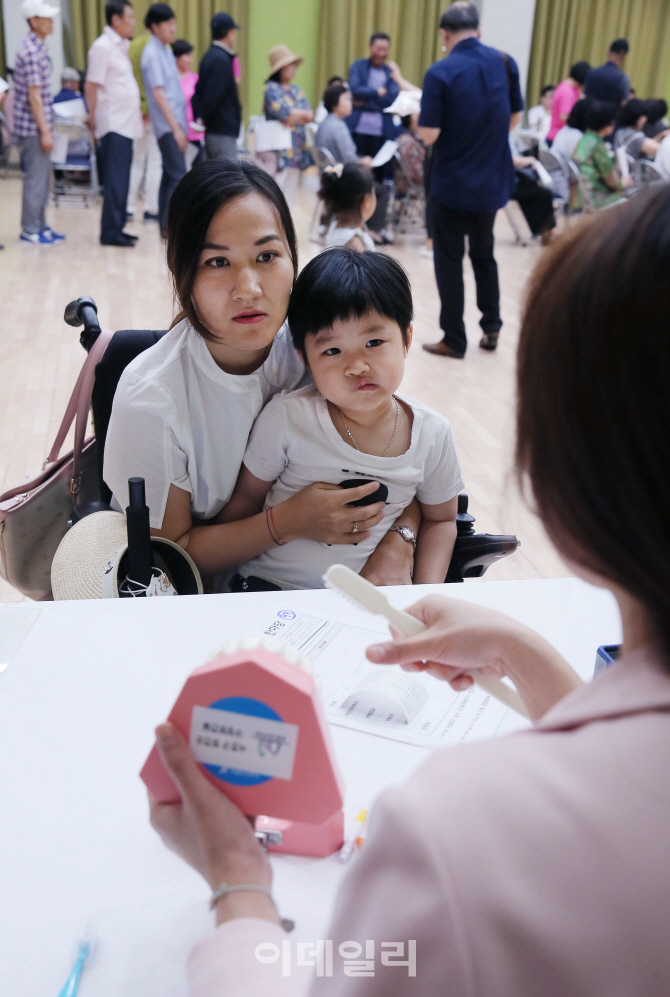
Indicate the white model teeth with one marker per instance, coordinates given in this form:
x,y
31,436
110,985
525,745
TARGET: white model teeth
x,y
272,644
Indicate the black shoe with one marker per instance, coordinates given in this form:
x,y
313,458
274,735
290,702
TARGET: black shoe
x,y
118,240
148,217
129,235
489,341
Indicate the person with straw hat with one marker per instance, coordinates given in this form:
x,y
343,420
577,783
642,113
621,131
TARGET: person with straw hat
x,y
285,101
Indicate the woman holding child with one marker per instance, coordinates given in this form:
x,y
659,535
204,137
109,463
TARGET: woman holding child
x,y
184,409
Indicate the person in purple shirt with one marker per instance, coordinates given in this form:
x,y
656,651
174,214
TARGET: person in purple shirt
x,y
373,89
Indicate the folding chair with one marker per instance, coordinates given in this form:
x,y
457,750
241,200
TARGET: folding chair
x,y
322,158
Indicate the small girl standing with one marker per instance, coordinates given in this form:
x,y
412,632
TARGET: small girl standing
x,y
348,193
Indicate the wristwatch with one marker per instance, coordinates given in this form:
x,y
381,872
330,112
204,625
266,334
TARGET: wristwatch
x,y
406,533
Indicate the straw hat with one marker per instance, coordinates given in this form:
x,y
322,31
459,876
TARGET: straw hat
x,y
281,56
80,561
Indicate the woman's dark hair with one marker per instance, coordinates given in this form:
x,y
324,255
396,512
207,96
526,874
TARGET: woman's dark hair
x,y
157,13
346,191
276,77
577,116
181,47
343,284
336,79
115,8
331,97
579,71
599,114
631,112
655,109
593,405
196,199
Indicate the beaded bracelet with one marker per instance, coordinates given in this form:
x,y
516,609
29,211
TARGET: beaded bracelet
x,y
223,890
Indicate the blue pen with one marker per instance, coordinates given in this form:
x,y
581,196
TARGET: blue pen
x,y
84,949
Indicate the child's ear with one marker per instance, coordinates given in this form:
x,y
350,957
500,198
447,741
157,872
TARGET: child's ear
x,y
408,338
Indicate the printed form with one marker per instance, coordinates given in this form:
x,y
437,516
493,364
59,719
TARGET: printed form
x,y
384,700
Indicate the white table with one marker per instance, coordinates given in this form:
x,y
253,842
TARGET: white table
x,y
78,703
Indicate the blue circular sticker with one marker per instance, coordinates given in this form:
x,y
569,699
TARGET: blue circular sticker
x,y
286,614
250,708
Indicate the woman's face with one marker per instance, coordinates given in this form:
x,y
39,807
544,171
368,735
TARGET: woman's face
x,y
245,275
288,72
184,62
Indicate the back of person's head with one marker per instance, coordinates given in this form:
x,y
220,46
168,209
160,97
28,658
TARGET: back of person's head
x,y
599,114
655,109
220,25
379,36
115,8
630,113
460,16
341,284
577,116
335,79
593,400
70,75
157,14
619,46
343,188
198,196
181,47
579,71
549,88
331,97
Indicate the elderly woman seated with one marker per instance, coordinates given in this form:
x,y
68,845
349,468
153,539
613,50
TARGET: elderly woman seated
x,y
595,163
630,135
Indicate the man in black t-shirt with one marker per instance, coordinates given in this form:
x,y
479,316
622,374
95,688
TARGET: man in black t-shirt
x,y
609,82
216,102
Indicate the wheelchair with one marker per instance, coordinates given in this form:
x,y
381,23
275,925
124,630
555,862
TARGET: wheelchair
x,y
473,552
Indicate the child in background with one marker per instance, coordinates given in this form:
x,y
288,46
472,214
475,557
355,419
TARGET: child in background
x,y
183,54
348,194
350,316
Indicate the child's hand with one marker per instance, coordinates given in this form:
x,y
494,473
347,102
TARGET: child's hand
x,y
320,512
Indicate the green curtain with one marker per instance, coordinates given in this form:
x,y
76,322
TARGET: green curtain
x,y
346,26
566,31
193,17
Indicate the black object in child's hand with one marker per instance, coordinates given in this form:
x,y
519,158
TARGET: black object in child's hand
x,y
380,495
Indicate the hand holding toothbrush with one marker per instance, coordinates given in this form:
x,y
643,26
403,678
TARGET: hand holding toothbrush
x,y
462,638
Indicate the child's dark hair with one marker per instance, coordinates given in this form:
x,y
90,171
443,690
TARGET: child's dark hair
x,y
599,114
196,199
345,191
343,284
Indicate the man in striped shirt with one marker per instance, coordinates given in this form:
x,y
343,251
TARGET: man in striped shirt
x,y
33,120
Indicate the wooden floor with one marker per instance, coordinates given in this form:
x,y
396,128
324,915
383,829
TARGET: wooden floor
x,y
40,355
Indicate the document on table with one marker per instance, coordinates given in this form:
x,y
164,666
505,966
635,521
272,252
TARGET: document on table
x,y
384,700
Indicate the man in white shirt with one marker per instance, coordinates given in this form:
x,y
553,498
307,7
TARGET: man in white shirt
x,y
113,100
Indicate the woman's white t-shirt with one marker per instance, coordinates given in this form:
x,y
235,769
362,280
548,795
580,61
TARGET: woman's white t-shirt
x,y
294,443
178,419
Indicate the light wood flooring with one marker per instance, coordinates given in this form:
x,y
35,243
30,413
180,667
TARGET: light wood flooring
x,y
40,355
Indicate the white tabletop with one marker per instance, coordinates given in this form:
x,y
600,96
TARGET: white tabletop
x,y
78,703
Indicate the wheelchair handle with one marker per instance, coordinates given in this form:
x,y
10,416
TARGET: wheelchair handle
x,y
84,311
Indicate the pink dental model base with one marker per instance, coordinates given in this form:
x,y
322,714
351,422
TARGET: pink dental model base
x,y
307,808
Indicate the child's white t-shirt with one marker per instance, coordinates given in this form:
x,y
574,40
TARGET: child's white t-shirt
x,y
294,443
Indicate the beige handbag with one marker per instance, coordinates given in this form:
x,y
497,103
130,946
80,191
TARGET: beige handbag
x,y
34,517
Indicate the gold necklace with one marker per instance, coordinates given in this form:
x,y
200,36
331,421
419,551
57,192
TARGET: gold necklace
x,y
395,428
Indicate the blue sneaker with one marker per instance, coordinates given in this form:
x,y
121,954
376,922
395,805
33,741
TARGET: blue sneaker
x,y
54,236
37,238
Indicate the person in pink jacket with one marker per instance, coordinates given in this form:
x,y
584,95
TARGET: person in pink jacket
x,y
538,863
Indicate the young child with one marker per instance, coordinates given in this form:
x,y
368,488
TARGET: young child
x,y
348,194
350,316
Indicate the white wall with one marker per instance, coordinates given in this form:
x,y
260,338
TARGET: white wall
x,y
16,29
508,25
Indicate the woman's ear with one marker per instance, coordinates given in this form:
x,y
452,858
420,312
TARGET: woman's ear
x,y
408,338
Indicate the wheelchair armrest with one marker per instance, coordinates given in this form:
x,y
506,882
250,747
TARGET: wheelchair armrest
x,y
475,553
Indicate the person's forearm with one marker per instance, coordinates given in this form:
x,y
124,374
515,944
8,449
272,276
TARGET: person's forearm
x,y
434,547
37,108
91,96
514,120
166,110
541,675
216,548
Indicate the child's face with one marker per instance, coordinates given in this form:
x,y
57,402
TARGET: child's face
x,y
359,363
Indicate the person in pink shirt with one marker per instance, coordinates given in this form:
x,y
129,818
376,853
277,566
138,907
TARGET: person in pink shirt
x,y
566,95
536,863
183,53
